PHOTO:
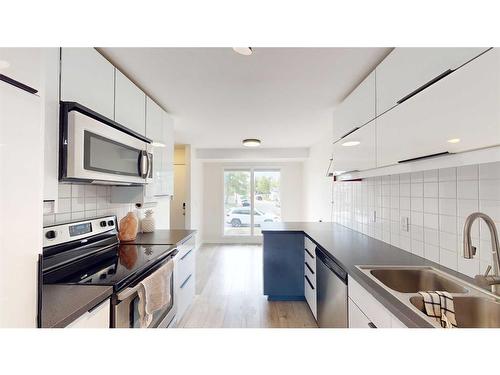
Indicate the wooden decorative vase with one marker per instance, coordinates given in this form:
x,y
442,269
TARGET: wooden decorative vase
x,y
128,227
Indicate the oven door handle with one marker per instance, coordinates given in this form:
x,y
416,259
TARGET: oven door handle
x,y
124,294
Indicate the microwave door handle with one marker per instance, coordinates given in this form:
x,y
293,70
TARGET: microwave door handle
x,y
143,164
148,171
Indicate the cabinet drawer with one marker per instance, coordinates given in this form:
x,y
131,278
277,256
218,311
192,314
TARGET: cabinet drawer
x,y
96,318
310,253
310,273
310,294
185,295
185,266
372,308
185,246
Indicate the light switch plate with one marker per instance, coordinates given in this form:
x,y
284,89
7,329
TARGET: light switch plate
x,y
405,224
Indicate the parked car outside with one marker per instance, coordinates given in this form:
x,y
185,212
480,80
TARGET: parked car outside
x,y
240,216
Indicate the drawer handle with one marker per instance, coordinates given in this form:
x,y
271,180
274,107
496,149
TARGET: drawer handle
x,y
309,267
309,282
371,325
185,255
185,281
307,251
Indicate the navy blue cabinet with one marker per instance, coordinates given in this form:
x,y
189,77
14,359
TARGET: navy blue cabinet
x,y
284,265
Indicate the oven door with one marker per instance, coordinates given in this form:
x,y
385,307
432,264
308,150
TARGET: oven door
x,y
126,307
99,152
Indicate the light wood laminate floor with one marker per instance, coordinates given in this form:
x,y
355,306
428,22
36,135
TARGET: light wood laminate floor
x,y
229,293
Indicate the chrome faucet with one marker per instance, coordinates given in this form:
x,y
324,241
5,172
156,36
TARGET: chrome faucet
x,y
469,251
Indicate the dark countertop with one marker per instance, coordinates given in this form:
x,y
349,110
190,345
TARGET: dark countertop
x,y
350,248
62,304
163,237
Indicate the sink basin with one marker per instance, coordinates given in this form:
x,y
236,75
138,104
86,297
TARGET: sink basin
x,y
470,312
415,280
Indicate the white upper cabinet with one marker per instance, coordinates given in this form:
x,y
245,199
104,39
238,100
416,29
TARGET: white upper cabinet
x,y
357,109
89,79
21,64
130,104
463,107
159,128
356,152
405,70
168,132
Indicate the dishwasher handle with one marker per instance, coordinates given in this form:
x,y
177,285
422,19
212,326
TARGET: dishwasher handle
x,y
332,265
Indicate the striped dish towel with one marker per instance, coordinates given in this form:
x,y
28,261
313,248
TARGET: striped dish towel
x,y
439,305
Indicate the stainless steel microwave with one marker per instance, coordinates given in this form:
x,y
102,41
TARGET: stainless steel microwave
x,y
95,149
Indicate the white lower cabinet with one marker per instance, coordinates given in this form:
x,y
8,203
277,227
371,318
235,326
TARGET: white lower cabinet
x,y
366,312
98,317
185,276
310,276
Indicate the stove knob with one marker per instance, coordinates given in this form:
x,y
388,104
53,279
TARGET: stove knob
x,y
51,234
111,223
103,223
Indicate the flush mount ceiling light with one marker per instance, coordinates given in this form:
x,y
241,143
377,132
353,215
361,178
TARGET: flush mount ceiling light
x,y
245,51
351,143
454,140
251,142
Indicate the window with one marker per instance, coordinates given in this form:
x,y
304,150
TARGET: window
x,y
255,191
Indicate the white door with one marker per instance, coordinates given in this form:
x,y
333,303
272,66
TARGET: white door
x,y
89,79
407,69
177,206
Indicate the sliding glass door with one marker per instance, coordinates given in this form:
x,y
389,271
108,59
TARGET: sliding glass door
x,y
251,197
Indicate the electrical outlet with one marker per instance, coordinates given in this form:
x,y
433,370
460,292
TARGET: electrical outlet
x,y
405,224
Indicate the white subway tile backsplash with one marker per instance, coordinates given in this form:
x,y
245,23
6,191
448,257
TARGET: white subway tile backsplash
x,y
77,191
61,218
448,189
447,206
468,172
64,191
431,205
90,191
468,189
63,205
489,171
489,189
447,174
436,203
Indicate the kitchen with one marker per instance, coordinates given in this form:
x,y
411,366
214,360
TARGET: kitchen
x,y
250,187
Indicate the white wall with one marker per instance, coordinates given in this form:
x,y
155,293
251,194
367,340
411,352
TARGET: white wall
x,y
194,209
213,197
436,203
318,187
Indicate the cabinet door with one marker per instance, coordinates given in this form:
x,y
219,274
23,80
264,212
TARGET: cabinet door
x,y
357,151
463,107
168,140
356,110
154,131
356,317
130,104
89,79
95,318
22,65
407,69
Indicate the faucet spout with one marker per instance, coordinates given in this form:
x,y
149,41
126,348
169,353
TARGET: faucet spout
x,y
470,250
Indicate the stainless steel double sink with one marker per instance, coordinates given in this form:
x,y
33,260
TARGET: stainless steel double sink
x,y
474,307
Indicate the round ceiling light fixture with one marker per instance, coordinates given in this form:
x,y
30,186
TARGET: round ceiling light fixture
x,y
245,51
4,64
454,140
251,142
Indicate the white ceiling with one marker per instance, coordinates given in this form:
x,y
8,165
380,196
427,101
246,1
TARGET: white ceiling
x,y
283,96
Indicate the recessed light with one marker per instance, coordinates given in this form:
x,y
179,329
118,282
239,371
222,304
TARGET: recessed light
x,y
4,64
351,143
251,142
454,140
245,51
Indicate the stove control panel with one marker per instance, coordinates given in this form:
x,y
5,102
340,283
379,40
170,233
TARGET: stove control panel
x,y
80,230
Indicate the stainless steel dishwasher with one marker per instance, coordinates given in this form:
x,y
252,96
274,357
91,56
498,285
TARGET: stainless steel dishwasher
x,y
332,293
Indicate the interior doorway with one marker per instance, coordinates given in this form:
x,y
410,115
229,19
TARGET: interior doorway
x,y
179,204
